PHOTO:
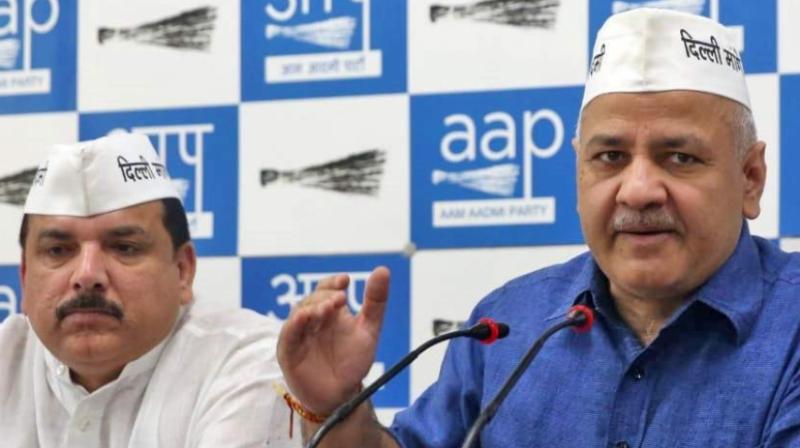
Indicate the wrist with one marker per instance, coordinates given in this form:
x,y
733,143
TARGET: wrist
x,y
312,414
296,406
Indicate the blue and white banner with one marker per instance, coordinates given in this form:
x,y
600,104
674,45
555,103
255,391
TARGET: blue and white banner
x,y
494,169
273,285
37,55
790,157
305,134
312,48
9,291
200,149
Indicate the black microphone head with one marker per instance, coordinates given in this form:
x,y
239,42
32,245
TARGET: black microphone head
x,y
503,330
487,331
583,318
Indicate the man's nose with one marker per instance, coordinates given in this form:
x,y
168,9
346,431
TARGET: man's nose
x,y
642,185
90,273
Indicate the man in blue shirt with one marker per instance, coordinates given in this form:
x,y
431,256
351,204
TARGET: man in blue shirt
x,y
696,339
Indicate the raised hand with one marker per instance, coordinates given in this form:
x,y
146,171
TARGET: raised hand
x,y
324,350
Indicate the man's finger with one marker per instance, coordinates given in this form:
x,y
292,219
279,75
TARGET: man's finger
x,y
323,312
376,295
322,296
292,336
338,281
300,330
305,316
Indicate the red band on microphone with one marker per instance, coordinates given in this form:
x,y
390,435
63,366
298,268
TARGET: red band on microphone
x,y
494,331
588,314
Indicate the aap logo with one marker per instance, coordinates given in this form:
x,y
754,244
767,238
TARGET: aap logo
x,y
198,148
272,286
753,24
293,287
494,168
288,45
37,55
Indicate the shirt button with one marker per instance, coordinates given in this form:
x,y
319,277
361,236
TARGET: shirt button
x,y
61,369
621,444
637,373
84,423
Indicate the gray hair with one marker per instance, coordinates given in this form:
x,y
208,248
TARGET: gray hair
x,y
743,129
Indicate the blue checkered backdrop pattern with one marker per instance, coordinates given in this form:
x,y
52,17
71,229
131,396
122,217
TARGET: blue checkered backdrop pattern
x,y
310,137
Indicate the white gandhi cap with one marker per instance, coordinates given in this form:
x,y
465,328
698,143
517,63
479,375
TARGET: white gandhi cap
x,y
99,176
654,50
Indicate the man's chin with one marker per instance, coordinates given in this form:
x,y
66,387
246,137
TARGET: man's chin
x,y
90,347
87,335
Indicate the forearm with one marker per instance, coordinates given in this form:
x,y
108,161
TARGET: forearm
x,y
361,428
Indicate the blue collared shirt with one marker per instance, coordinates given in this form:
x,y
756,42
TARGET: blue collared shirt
x,y
723,372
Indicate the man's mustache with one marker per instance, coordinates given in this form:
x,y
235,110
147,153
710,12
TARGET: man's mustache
x,y
92,301
647,220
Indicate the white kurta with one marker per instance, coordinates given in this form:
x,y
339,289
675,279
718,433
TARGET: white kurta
x,y
210,384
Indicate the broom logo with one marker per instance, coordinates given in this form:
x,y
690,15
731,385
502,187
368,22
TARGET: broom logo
x,y
189,30
17,75
337,52
14,187
518,13
189,137
9,50
331,33
498,180
441,326
358,173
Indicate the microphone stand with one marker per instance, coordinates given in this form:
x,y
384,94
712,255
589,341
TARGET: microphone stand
x,y
580,316
486,331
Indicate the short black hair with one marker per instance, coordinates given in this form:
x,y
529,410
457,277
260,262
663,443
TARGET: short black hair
x,y
174,219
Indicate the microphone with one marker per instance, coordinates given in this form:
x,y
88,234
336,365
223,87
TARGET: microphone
x,y
486,331
579,317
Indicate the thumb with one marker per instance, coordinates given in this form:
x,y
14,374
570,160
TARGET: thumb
x,y
376,295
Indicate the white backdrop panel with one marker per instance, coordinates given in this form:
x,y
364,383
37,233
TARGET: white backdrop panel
x,y
447,284
142,71
788,36
303,214
218,284
26,139
764,97
453,53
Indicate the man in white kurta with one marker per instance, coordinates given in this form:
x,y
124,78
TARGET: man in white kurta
x,y
110,352
210,384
